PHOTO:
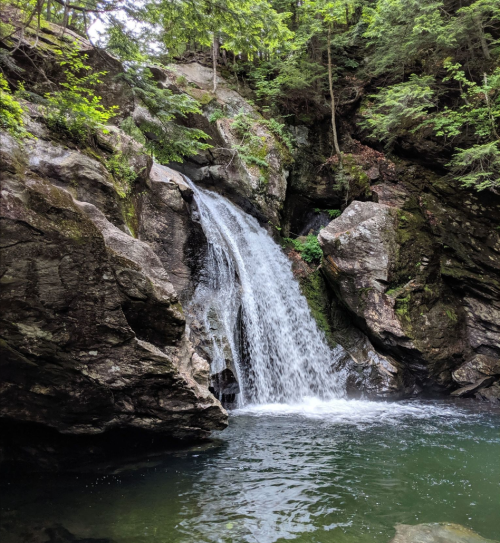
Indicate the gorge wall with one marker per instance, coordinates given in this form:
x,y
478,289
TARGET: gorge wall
x,y
96,271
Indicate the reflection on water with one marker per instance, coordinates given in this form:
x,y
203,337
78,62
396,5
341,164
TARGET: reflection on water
x,y
342,471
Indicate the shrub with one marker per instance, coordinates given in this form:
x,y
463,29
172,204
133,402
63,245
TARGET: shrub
x,y
75,110
120,169
334,213
11,112
310,250
399,108
216,115
478,166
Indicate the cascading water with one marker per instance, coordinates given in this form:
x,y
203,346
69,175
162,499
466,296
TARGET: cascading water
x,y
248,283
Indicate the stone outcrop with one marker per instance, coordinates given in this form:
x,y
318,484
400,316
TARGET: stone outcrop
x,y
92,333
257,188
428,310
167,226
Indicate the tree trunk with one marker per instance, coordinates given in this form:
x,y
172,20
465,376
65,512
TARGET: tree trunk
x,y
215,54
332,98
482,39
65,16
49,5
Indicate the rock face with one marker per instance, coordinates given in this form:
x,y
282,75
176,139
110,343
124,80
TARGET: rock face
x,y
167,226
258,185
430,311
92,332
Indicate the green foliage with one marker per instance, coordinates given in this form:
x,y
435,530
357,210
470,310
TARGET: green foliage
x,y
310,249
334,213
478,166
280,131
11,112
181,81
75,110
480,109
398,108
122,172
129,127
166,139
252,149
216,115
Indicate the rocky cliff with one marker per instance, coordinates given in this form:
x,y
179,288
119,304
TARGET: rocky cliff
x,y
93,337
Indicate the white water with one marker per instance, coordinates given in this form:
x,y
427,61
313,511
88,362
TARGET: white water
x,y
356,412
286,356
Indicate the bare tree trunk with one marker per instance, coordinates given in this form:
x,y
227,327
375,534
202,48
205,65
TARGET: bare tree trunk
x,y
215,54
65,16
482,39
49,5
332,98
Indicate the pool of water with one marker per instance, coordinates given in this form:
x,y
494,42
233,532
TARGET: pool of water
x,y
340,471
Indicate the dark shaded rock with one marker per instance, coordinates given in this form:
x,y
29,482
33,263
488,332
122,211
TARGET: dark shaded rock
x,y
476,368
474,387
225,386
490,394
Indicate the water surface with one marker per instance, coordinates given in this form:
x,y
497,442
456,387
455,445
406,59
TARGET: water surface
x,y
338,471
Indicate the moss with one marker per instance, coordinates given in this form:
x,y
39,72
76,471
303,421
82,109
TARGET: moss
x,y
359,182
202,96
315,290
129,214
450,313
402,309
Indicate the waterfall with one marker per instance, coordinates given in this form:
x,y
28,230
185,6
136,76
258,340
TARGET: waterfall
x,y
251,308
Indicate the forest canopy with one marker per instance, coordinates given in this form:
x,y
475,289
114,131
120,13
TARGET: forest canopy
x,y
417,68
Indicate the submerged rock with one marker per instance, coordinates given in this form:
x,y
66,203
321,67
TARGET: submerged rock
x,y
437,533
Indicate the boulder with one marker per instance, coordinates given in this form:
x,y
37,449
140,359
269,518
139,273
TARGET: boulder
x,y
476,368
469,390
371,258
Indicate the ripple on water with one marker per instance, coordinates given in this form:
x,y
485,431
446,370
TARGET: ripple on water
x,y
342,471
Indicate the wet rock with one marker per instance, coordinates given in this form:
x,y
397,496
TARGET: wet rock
x,y
476,368
490,394
166,224
225,386
474,387
437,533
367,372
371,374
